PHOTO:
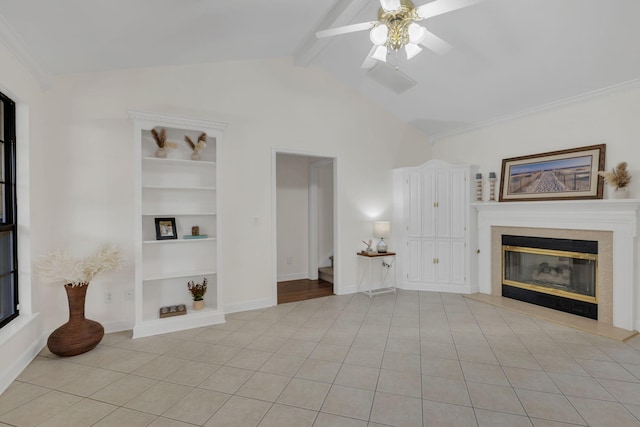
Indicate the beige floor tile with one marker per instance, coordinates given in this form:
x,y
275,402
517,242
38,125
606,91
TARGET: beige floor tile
x,y
362,357
606,370
159,368
396,410
560,365
404,362
366,341
264,386
19,394
624,392
126,417
130,362
190,351
297,347
168,422
283,364
348,402
123,390
192,373
357,376
267,343
59,373
331,352
92,381
493,419
478,354
249,359
598,413
530,379
403,345
402,383
158,398
218,354
438,350
548,406
516,359
495,398
445,390
338,337
328,420
579,386
484,373
211,336
84,413
287,416
438,414
304,394
239,339
445,368
239,412
226,379
197,406
318,370
40,409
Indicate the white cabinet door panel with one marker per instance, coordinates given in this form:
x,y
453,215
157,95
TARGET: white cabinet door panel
x,y
458,262
413,200
443,260
414,260
443,203
429,261
458,200
428,204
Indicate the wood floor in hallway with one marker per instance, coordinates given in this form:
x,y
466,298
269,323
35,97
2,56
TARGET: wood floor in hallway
x,y
299,290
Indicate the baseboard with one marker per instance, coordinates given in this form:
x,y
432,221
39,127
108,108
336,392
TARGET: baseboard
x,y
248,305
345,290
292,276
8,375
437,287
118,326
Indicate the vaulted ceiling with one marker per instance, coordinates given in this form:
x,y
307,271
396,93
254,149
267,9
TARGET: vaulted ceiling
x,y
508,56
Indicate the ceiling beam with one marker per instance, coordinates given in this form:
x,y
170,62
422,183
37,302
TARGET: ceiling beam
x,y
342,13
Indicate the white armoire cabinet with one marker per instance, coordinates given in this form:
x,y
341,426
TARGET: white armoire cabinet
x,y
185,191
434,227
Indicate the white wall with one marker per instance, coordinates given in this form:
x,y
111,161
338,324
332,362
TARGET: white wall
x,y
610,118
292,201
325,213
268,104
23,338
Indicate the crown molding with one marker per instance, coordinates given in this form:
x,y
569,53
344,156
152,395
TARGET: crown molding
x,y
149,119
14,43
631,84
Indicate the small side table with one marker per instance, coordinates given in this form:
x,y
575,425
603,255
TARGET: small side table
x,y
386,261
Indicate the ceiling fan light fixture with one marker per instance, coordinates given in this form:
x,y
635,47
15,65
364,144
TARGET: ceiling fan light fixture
x,y
390,5
412,50
378,35
417,33
380,54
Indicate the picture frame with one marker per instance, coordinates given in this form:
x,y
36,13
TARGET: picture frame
x,y
570,174
166,229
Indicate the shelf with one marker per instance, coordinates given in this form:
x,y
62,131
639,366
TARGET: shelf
x,y
179,275
171,241
172,214
178,162
167,187
193,319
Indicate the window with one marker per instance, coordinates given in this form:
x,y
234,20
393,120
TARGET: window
x,y
8,218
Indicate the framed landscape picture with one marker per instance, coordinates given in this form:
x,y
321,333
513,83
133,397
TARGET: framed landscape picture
x,y
166,229
558,175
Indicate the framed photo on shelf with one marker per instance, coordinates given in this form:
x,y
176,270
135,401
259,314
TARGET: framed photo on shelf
x,y
557,175
166,229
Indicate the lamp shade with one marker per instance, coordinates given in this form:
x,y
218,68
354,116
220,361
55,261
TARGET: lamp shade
x,y
381,229
390,5
378,35
380,54
412,50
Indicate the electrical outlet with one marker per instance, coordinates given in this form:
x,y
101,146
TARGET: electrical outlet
x,y
128,294
289,260
108,297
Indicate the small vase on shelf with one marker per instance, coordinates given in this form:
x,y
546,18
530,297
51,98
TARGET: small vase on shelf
x,y
620,193
198,305
161,153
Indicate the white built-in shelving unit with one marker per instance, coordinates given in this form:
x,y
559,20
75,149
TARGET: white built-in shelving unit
x,y
187,190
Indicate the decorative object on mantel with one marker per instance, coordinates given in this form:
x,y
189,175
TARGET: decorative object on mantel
x,y
161,141
197,293
492,186
619,178
381,229
198,146
79,334
478,187
570,174
195,230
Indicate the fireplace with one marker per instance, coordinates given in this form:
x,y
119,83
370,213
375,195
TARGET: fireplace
x,y
561,274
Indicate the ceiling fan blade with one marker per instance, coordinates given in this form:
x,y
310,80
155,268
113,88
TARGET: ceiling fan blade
x,y
439,7
390,5
346,29
435,43
369,61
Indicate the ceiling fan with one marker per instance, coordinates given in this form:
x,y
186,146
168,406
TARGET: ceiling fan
x,y
397,28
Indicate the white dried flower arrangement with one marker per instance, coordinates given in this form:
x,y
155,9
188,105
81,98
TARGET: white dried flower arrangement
x,y
618,177
58,267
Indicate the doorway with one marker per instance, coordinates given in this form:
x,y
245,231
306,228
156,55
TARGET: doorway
x,y
305,213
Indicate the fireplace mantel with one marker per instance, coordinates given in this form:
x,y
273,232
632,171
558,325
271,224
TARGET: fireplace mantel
x,y
617,216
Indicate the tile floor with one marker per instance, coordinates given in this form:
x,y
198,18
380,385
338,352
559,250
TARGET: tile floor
x,y
415,359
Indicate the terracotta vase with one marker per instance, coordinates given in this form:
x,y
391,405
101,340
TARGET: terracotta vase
x,y
198,305
78,335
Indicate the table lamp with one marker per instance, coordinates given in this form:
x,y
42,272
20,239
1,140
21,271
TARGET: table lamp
x,y
381,229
